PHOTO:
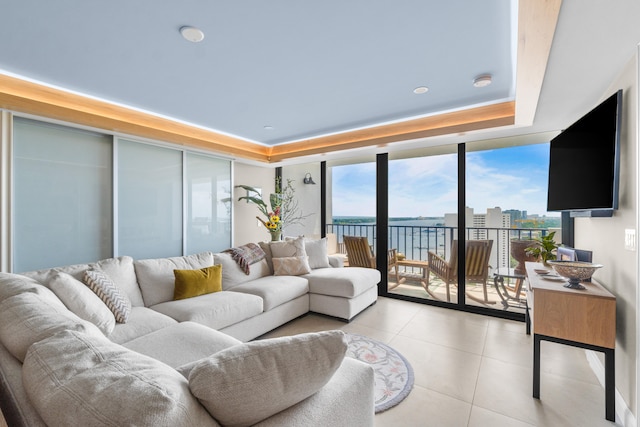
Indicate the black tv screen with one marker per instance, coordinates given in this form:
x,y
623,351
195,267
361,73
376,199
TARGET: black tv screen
x,y
584,161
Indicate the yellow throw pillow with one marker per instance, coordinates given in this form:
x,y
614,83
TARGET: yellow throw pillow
x,y
191,283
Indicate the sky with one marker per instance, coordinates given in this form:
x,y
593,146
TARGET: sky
x,y
511,178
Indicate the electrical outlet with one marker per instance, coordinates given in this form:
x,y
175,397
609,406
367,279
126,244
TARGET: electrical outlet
x,y
630,239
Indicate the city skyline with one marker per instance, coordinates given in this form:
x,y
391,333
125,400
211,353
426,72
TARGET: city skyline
x,y
512,178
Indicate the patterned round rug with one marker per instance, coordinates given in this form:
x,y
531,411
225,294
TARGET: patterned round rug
x,y
393,373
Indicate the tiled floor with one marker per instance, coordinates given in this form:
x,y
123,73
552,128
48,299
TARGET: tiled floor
x,y
472,370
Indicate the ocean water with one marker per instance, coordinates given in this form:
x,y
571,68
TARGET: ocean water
x,y
414,238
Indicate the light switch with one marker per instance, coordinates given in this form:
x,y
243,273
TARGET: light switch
x,y
630,239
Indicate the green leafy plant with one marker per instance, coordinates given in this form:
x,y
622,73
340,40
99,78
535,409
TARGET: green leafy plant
x,y
544,248
284,206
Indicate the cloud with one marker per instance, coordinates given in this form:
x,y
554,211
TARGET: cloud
x,y
511,178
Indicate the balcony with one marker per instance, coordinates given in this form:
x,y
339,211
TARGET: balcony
x,y
415,242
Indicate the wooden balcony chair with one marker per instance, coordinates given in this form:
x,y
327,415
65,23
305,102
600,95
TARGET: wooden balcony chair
x,y
359,254
477,254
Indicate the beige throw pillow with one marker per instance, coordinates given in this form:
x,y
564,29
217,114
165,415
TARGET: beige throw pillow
x,y
247,383
82,301
288,248
291,266
74,379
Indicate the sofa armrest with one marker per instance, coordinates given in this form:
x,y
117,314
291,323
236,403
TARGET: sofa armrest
x,y
336,261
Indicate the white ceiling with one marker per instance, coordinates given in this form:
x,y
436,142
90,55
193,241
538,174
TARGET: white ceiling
x,y
310,69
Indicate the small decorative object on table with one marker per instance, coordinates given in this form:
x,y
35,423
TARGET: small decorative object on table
x,y
575,271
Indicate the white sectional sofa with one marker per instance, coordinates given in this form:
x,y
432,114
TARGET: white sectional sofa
x,y
65,361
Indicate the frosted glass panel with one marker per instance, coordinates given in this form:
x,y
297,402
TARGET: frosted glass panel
x,y
208,204
62,196
149,200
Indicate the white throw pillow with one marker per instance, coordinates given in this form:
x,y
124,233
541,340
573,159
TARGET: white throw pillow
x,y
117,301
247,383
74,379
291,266
28,317
317,252
82,301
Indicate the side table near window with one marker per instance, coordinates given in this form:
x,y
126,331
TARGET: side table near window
x,y
581,318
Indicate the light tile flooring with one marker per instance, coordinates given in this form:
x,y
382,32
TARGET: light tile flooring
x,y
472,370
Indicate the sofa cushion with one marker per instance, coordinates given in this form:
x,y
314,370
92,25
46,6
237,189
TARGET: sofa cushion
x,y
342,282
120,270
182,343
117,301
123,274
28,318
191,283
15,284
317,253
217,310
156,278
142,321
275,291
247,383
82,301
78,380
291,266
233,275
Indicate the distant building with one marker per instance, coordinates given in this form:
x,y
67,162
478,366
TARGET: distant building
x,y
516,215
492,225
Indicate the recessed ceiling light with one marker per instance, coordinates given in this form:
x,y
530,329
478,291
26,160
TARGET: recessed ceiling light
x,y
482,81
420,90
267,127
192,34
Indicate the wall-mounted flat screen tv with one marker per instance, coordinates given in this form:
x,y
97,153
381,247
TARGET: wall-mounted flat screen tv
x,y
584,162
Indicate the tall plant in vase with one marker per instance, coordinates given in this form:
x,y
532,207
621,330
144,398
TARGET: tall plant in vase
x,y
283,208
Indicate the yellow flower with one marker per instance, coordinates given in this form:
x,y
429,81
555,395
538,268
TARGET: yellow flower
x,y
275,219
271,226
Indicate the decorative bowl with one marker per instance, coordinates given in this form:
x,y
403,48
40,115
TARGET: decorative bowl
x,y
575,271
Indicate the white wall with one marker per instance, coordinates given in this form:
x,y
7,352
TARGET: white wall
x,y
308,196
245,225
605,237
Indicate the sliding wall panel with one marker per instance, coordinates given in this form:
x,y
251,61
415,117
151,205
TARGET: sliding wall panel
x,y
62,186
150,207
208,188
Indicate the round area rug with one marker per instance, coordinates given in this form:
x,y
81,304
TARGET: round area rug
x,y
393,373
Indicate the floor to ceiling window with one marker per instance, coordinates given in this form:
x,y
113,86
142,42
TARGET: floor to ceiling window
x,y
506,195
353,203
505,191
423,194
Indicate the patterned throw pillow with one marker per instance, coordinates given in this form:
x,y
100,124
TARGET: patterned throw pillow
x,y
103,286
291,266
191,283
288,248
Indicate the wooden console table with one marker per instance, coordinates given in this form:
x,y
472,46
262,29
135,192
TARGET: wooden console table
x,y
580,318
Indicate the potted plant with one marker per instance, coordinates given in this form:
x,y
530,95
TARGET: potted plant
x,y
284,207
544,248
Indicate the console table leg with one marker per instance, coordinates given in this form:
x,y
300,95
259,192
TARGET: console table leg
x,y
610,387
536,366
